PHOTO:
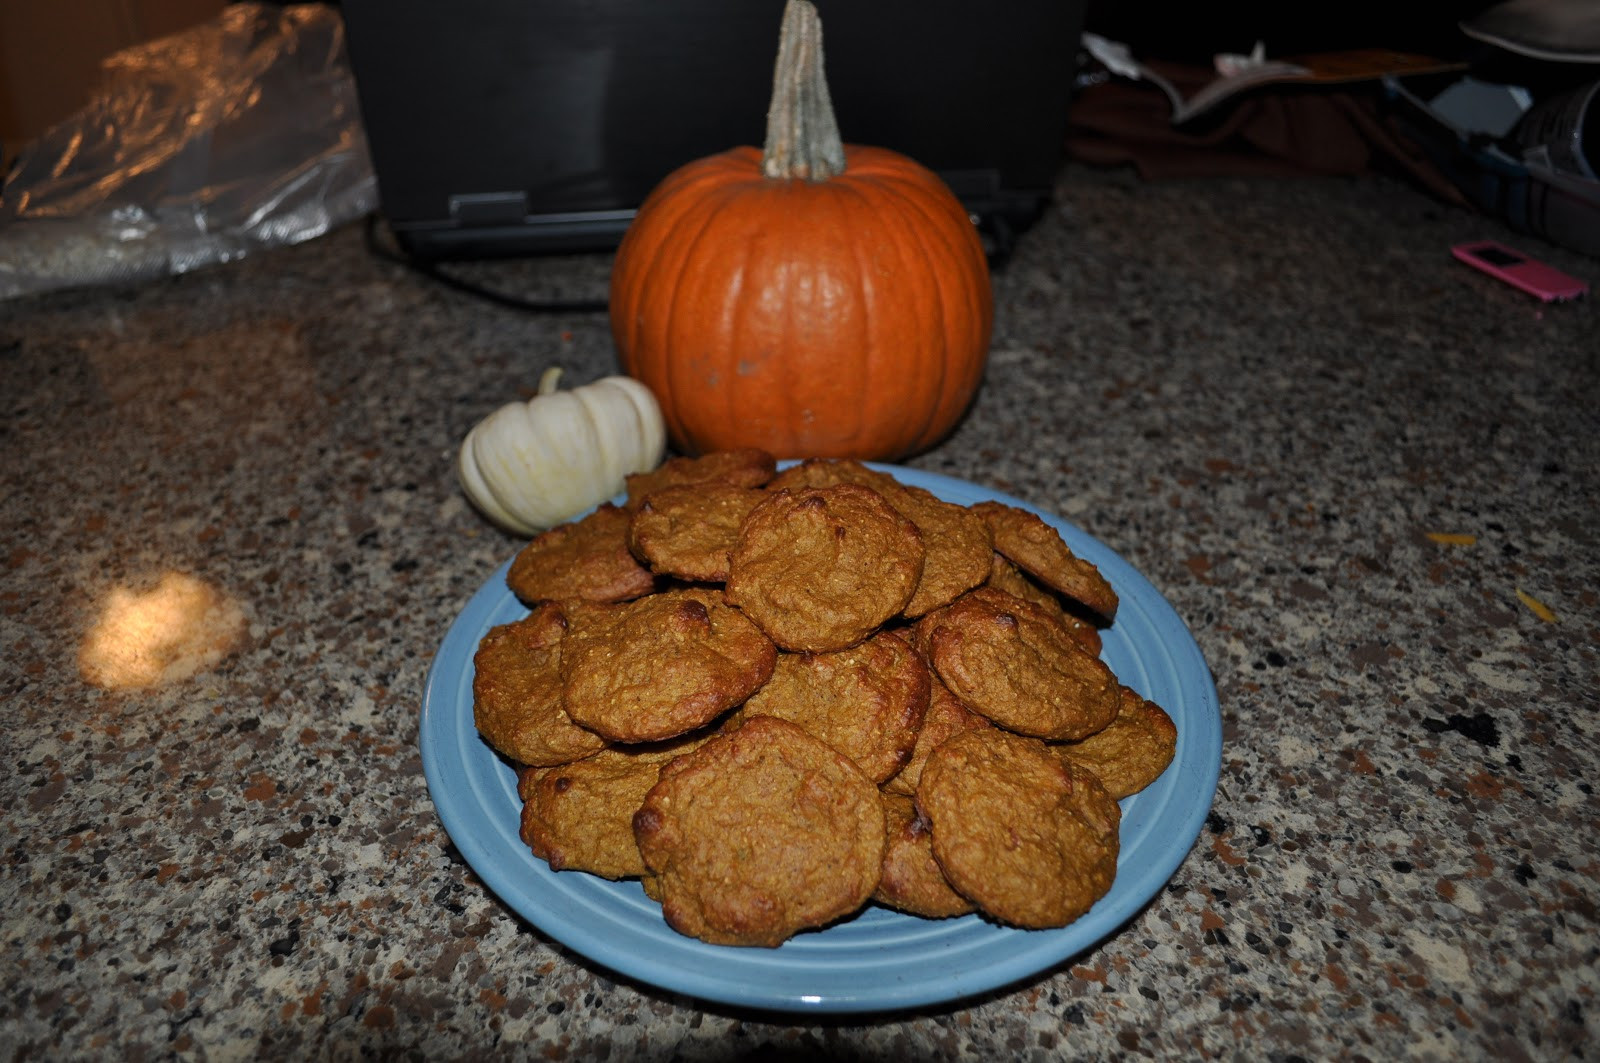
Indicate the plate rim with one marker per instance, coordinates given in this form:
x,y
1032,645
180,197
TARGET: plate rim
x,y
1029,952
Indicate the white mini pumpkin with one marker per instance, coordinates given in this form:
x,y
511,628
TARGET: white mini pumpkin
x,y
530,465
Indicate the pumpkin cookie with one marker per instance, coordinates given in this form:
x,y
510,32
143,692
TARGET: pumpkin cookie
x,y
1026,835
945,718
516,692
960,551
579,816
956,540
689,530
745,467
829,472
1132,751
1004,576
820,568
661,666
911,880
1038,548
1012,662
866,701
760,833
587,559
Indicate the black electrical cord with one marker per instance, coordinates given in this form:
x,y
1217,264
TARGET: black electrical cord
x,y
999,240
466,287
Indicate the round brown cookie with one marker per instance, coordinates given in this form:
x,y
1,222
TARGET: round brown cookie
x,y
911,880
960,551
1011,661
689,530
579,816
746,467
946,716
659,667
1038,548
1024,834
516,692
820,568
1004,576
586,559
829,472
1131,751
956,540
762,832
866,701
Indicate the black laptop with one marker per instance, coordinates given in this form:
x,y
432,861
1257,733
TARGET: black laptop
x,y
517,127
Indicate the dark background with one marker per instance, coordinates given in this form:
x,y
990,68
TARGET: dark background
x,y
1196,31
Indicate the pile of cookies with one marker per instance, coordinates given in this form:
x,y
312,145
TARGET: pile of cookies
x,y
777,696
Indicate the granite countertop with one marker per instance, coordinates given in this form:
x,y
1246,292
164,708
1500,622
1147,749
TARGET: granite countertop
x,y
1269,397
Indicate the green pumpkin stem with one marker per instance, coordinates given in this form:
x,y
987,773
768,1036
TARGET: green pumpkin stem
x,y
802,136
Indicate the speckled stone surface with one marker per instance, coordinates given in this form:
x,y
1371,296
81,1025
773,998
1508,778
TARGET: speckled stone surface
x,y
1266,396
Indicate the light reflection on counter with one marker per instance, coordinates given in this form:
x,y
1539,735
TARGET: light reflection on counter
x,y
168,633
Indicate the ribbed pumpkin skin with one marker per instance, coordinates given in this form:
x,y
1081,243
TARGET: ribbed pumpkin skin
x,y
843,318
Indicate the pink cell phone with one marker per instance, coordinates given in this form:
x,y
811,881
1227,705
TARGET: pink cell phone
x,y
1520,271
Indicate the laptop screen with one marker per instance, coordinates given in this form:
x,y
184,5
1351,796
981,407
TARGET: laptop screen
x,y
524,126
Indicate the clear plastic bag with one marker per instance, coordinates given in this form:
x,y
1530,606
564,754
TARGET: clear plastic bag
x,y
243,132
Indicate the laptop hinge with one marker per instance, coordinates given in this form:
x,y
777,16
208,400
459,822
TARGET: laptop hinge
x,y
488,208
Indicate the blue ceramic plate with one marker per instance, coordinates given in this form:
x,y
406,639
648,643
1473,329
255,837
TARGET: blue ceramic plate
x,y
880,960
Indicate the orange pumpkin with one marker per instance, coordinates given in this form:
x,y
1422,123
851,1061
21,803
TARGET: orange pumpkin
x,y
813,299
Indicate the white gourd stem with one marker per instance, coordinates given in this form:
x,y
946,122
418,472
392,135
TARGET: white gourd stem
x,y
549,379
802,135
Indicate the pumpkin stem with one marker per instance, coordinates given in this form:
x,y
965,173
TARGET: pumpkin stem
x,y
802,135
549,379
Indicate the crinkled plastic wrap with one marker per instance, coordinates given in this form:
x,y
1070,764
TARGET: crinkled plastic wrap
x,y
240,133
